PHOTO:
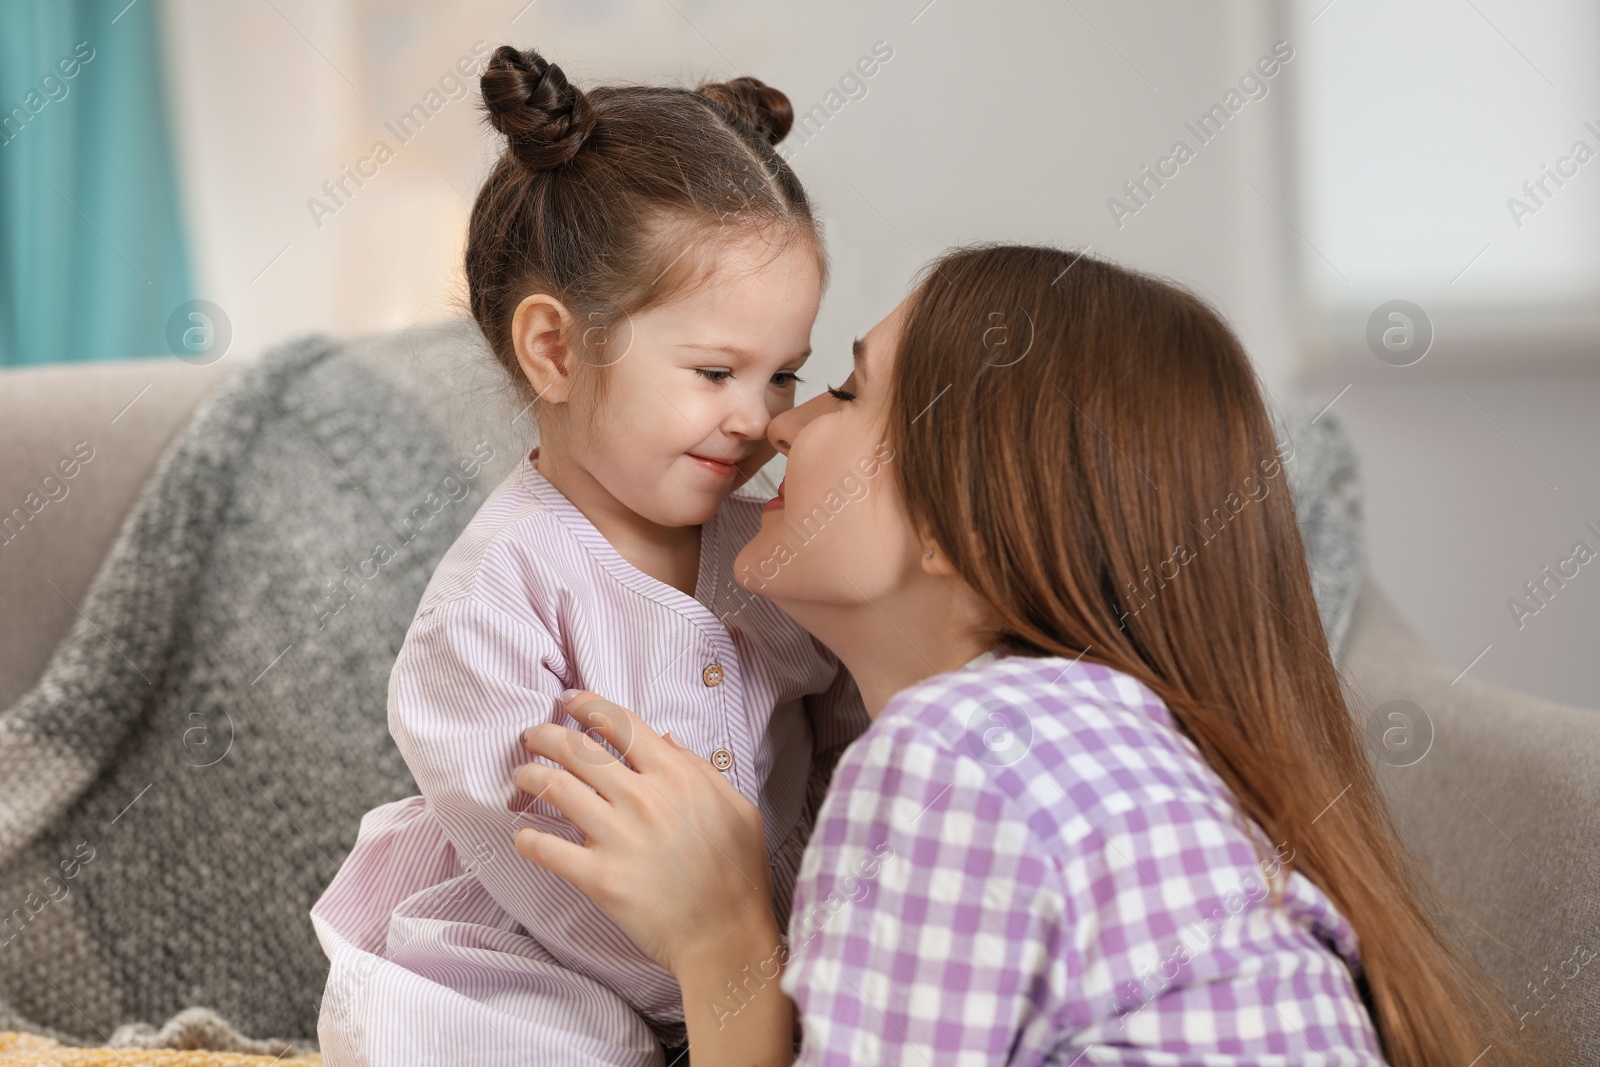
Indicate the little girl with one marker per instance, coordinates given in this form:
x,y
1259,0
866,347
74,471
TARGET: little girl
x,y
648,269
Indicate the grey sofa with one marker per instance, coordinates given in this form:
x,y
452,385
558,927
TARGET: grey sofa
x,y
1498,793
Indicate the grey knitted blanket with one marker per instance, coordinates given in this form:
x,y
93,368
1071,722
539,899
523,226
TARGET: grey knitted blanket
x,y
190,771
1325,481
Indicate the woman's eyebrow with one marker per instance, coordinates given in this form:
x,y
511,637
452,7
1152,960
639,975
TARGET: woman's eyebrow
x,y
858,352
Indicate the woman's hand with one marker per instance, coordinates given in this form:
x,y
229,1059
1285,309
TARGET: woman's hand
x,y
675,855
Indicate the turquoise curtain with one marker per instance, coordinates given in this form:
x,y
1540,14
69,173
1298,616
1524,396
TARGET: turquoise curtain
x,y
92,256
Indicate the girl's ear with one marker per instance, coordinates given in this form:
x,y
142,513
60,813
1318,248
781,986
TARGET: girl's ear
x,y
539,331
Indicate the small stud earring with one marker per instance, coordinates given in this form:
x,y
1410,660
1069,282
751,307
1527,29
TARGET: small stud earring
x,y
929,553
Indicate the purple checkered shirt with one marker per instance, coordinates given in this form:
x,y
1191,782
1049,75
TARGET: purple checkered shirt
x,y
1025,861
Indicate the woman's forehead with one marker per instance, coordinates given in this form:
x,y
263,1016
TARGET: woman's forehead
x,y
877,345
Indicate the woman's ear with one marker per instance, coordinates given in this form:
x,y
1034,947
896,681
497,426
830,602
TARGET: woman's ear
x,y
539,331
935,562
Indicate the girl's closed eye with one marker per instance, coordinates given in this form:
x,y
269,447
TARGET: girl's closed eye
x,y
717,375
840,394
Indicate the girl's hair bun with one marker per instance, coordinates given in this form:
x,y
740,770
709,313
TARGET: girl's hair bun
x,y
544,118
756,104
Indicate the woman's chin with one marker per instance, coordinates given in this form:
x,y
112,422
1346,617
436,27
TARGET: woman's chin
x,y
758,568
747,560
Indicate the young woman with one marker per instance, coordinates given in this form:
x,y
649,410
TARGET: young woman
x,y
1112,807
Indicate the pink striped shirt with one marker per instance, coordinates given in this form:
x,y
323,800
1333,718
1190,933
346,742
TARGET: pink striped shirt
x,y
440,936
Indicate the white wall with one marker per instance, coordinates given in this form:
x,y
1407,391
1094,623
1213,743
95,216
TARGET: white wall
x,y
1008,120
1424,126
1019,121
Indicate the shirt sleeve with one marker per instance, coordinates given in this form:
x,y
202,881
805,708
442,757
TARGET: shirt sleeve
x,y
424,970
1185,957
469,680
925,924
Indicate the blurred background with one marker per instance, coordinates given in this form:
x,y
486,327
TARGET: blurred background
x,y
1397,205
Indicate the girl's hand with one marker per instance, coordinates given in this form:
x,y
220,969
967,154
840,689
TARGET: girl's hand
x,y
675,855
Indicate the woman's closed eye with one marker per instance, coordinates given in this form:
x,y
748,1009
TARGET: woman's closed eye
x,y
840,394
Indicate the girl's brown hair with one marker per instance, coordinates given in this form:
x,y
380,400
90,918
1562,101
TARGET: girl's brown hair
x,y
1096,420
599,196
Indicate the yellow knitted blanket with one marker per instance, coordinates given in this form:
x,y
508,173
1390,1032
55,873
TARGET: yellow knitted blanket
x,y
26,1050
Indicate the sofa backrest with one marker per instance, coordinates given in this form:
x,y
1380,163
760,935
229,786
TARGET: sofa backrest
x,y
79,440
1498,795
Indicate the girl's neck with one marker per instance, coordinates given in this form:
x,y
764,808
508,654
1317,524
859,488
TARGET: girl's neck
x,y
669,554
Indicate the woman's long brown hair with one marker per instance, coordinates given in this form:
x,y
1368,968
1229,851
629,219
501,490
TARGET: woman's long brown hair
x,y
1090,447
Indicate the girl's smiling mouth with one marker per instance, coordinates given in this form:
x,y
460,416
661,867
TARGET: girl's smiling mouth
x,y
715,466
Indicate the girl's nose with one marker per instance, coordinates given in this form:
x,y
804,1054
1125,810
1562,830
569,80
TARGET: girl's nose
x,y
751,420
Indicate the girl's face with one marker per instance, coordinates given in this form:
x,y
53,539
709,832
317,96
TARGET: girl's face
x,y
837,533
691,386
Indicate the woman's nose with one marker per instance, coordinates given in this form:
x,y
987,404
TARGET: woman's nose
x,y
785,427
